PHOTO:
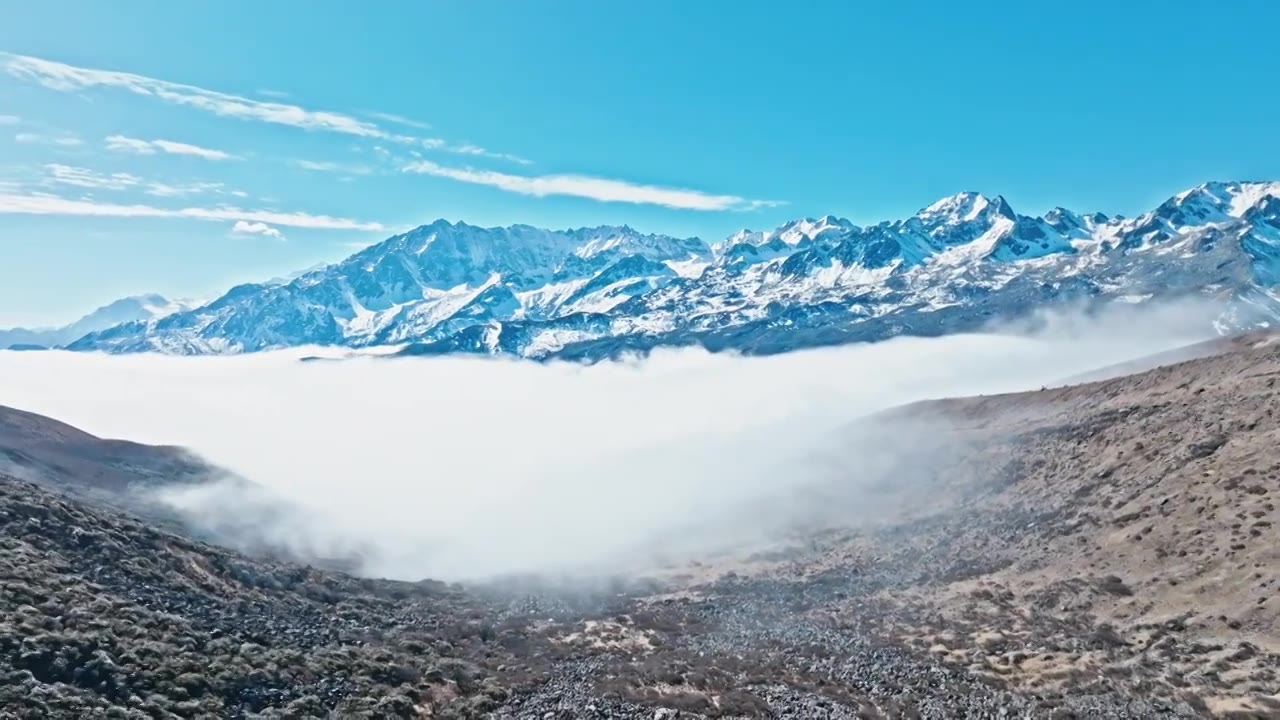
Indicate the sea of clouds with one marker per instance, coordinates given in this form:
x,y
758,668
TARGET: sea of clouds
x,y
460,467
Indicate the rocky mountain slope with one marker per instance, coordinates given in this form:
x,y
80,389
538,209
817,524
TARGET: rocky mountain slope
x,y
597,292
52,453
1099,550
136,308
1120,533
104,616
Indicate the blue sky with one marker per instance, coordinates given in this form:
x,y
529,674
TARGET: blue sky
x,y
183,147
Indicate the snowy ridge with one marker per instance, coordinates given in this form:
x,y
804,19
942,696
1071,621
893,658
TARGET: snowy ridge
x,y
595,292
129,309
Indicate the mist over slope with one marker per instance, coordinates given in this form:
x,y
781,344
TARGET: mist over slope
x,y
461,467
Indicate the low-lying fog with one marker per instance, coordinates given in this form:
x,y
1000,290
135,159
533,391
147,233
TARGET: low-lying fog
x,y
463,467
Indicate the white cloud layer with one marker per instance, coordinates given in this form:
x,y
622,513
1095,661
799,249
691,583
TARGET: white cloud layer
x,y
121,143
39,204
593,188
456,468
256,228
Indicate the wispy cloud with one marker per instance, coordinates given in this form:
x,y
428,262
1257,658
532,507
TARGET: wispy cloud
x,y
30,138
68,78
59,174
593,188
85,178
40,204
10,119
256,228
121,143
325,166
399,120
317,165
433,143
160,189
478,151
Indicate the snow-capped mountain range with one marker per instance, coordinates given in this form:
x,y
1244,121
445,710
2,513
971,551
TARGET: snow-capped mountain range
x,y
136,308
596,292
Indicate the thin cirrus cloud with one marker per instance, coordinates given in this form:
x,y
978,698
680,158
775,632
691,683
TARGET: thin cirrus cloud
x,y
42,204
160,189
325,166
399,120
121,143
69,78
592,188
243,227
469,149
30,138
10,119
59,174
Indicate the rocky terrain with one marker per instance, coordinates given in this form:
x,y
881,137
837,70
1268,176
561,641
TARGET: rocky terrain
x,y
1099,550
71,460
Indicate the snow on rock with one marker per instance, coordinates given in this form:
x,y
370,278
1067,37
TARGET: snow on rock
x,y
590,293
135,308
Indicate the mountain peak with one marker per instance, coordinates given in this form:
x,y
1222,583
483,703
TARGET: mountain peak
x,y
962,207
1072,224
1232,199
1266,209
1000,206
590,291
133,308
809,228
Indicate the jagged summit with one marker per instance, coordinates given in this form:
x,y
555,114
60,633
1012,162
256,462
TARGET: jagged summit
x,y
961,207
589,293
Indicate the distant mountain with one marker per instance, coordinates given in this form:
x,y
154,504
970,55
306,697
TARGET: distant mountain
x,y
597,292
130,309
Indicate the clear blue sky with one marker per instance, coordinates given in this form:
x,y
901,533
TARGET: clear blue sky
x,y
274,117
